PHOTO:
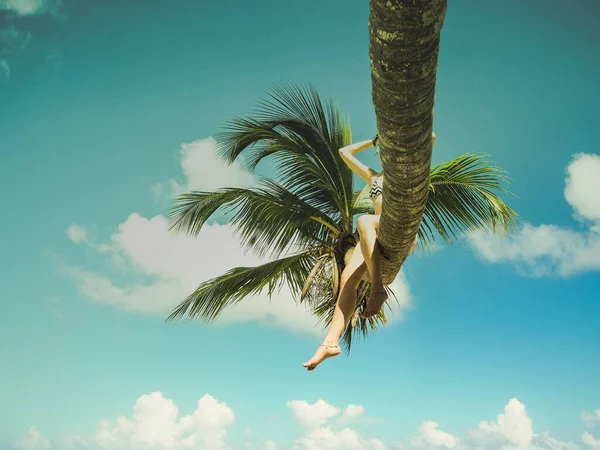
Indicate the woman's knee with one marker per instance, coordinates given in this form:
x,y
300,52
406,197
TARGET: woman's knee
x,y
351,276
346,276
367,222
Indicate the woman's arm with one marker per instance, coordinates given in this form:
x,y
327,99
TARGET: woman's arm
x,y
362,170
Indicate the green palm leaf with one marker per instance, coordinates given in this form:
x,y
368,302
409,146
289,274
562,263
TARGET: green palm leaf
x,y
304,137
267,218
463,197
320,126
361,203
313,276
212,296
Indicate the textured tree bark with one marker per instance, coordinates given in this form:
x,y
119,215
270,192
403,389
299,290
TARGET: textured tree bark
x,y
404,45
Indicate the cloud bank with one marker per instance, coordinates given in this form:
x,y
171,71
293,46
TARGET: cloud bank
x,y
155,423
551,250
30,7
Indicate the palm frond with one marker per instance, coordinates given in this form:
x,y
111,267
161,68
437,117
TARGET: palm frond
x,y
320,125
302,178
216,294
319,296
335,276
305,134
312,276
298,167
256,140
463,197
361,203
269,218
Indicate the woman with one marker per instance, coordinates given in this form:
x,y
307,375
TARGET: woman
x,y
366,256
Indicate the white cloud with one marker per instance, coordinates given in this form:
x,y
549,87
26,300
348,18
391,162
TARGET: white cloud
x,y
250,443
582,187
4,69
591,418
269,445
590,440
33,440
547,250
512,427
320,436
29,7
396,307
543,250
203,170
431,436
156,424
13,40
144,249
325,438
546,442
312,415
154,269
77,234
354,412
511,430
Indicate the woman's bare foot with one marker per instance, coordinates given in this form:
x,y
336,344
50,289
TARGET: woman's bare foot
x,y
322,353
376,301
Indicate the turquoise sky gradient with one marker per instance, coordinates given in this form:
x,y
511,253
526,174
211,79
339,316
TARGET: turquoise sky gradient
x,y
96,100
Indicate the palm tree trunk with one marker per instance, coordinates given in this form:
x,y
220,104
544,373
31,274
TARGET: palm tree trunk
x,y
404,45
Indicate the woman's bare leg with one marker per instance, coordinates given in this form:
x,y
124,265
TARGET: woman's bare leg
x,y
378,294
344,309
368,225
347,299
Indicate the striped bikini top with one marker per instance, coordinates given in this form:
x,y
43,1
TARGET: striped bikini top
x,y
376,188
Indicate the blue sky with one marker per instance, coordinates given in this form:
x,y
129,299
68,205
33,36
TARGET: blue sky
x,y
108,108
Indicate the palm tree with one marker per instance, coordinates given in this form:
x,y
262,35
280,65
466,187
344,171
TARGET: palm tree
x,y
404,40
303,217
